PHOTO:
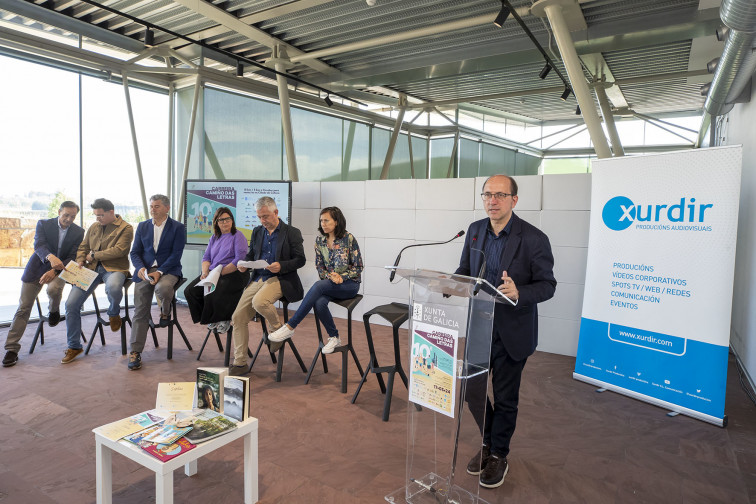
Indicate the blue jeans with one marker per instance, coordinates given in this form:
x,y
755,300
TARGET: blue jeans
x,y
318,297
113,288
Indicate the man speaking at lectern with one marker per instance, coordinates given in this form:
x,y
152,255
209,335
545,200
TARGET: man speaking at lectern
x,y
515,257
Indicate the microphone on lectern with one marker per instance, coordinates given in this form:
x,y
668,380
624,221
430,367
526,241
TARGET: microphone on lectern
x,y
398,257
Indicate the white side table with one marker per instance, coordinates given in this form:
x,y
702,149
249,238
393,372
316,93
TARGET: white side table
x,y
246,430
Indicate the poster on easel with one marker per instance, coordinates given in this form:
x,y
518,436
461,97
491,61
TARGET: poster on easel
x,y
658,289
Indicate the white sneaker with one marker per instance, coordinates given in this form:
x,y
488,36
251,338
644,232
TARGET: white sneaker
x,y
223,326
331,344
281,334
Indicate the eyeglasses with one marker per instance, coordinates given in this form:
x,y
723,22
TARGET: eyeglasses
x,y
224,219
498,196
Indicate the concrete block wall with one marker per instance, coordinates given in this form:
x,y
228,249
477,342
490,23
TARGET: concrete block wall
x,y
387,215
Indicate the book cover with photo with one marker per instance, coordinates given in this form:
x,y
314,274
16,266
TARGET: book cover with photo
x,y
208,425
210,388
165,452
236,397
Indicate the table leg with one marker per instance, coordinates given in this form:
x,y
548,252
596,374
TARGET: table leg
x,y
250,468
164,488
104,474
190,469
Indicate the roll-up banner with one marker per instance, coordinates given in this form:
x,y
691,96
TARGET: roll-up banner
x,y
658,286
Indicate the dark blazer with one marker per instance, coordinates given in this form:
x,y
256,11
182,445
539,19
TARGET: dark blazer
x,y
169,251
289,253
46,243
528,260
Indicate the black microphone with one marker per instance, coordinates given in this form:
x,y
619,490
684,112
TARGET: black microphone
x,y
399,257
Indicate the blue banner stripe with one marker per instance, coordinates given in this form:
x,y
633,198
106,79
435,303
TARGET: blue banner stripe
x,y
688,373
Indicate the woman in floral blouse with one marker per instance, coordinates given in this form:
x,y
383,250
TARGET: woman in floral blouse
x,y
339,264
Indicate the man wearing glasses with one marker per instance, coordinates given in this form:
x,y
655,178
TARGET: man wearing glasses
x,y
515,257
105,249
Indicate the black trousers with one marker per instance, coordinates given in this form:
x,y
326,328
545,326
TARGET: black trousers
x,y
501,417
218,305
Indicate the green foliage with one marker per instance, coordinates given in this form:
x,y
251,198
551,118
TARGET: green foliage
x,y
54,206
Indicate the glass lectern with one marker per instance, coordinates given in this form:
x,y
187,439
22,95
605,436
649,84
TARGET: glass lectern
x,y
451,317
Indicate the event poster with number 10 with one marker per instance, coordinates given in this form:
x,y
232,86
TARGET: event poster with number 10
x,y
433,373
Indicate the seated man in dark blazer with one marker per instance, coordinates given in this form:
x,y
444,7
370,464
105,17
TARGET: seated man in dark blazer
x,y
55,244
281,246
156,256
519,262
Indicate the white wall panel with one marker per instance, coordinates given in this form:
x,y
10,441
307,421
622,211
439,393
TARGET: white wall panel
x,y
439,257
398,224
566,228
530,216
567,302
445,194
567,192
558,336
309,248
356,224
441,225
345,195
305,219
398,194
528,192
383,252
305,194
377,283
570,264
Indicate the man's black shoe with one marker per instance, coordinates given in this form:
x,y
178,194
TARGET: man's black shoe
x,y
53,318
479,461
165,321
494,472
10,358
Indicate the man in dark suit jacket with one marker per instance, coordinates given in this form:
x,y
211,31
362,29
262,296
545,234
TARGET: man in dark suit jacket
x,y
519,262
281,246
156,256
55,244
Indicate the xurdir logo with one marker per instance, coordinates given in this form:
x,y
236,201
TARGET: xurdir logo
x,y
620,212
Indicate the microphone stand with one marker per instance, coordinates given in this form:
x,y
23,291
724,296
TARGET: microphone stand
x,y
399,257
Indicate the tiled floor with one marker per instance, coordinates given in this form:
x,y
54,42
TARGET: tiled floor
x,y
572,445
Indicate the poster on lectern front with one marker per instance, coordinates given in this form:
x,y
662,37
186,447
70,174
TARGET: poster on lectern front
x,y
658,289
433,372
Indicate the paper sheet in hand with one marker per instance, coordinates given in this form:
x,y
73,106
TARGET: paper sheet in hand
x,y
211,280
78,276
259,264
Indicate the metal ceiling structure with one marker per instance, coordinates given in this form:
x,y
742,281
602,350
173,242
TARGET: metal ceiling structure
x,y
652,53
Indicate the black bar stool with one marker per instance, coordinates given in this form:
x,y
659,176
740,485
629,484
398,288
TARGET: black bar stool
x,y
172,322
396,314
349,304
40,334
264,340
214,332
102,322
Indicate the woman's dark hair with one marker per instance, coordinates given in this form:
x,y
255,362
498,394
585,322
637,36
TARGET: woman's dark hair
x,y
218,213
336,215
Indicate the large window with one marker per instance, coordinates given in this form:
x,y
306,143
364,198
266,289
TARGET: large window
x,y
45,160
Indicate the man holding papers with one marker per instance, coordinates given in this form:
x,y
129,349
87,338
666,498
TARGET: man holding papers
x,y
104,250
516,258
156,256
55,244
280,245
